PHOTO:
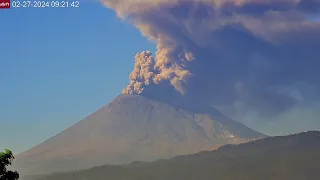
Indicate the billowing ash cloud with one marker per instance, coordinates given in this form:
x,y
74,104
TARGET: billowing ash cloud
x,y
239,55
147,71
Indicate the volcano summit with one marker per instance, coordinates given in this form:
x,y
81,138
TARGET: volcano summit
x,y
132,128
246,58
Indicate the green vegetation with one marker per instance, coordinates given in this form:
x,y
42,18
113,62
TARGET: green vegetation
x,y
293,157
6,158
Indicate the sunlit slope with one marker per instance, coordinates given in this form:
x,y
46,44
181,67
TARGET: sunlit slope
x,y
293,157
131,128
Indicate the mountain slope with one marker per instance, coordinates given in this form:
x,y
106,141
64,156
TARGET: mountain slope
x,y
131,128
293,157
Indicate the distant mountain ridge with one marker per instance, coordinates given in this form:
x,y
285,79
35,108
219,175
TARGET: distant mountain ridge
x,y
293,157
132,128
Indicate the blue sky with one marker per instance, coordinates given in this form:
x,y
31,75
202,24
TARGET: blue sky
x,y
58,66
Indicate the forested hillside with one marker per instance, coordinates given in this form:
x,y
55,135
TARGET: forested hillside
x,y
293,157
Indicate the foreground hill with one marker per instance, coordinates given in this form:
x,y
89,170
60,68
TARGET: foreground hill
x,y
133,128
293,157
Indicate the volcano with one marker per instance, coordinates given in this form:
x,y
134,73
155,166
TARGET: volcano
x,y
133,128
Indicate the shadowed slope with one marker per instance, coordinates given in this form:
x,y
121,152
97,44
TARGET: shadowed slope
x,y
127,129
293,157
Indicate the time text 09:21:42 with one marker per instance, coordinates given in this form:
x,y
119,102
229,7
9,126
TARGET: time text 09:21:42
x,y
45,4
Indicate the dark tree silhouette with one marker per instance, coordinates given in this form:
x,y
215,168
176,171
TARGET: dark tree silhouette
x,y
6,158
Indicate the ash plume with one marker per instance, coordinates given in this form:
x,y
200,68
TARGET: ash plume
x,y
246,57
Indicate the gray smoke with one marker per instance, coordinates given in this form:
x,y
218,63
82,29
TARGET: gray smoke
x,y
253,59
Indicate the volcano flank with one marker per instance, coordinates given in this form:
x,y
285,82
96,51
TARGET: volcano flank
x,y
133,128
